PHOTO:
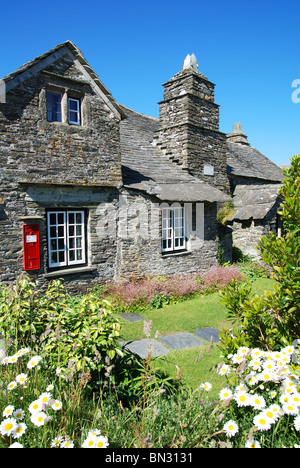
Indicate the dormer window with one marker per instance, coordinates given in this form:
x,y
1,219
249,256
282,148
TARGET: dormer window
x,y
61,107
54,113
74,111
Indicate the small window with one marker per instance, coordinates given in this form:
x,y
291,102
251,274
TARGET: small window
x,y
173,232
53,107
66,238
74,111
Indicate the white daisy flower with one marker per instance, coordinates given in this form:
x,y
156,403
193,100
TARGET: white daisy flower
x,y
67,444
243,350
206,386
257,401
255,364
295,398
11,385
56,442
12,359
16,445
45,397
224,369
35,406
21,379
256,353
270,366
284,398
19,414
290,408
90,442
237,358
8,411
34,361
297,423
231,428
288,349
277,355
271,415
8,426
252,444
241,387
39,418
225,393
266,376
19,431
242,398
261,421
56,405
101,442
251,379
50,388
94,432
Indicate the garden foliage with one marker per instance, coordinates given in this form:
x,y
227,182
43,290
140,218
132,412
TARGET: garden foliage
x,y
79,337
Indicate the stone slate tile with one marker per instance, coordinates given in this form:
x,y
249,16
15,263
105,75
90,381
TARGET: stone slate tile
x,y
206,334
181,340
131,317
141,347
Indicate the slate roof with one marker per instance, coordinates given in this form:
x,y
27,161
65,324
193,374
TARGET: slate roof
x,y
245,161
145,167
254,201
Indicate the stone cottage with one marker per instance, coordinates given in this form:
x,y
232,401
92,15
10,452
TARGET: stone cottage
x,y
255,183
93,191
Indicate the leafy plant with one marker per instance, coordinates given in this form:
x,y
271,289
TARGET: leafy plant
x,y
79,335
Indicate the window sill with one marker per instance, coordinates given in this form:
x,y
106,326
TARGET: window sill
x,y
176,254
70,271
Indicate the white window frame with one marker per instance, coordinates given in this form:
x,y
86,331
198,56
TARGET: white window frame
x,y
173,228
77,111
72,243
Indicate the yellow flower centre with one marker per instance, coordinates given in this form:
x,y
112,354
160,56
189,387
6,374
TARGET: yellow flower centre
x,y
91,442
242,398
262,421
19,429
99,444
269,414
8,426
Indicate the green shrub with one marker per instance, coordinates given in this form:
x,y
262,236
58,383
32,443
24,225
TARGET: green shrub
x,y
78,335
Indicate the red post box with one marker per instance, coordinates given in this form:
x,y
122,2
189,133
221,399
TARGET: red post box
x,y
31,247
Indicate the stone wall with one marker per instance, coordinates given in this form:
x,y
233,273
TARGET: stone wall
x,y
189,128
139,232
34,150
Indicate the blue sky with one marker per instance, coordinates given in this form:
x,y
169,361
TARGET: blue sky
x,y
250,50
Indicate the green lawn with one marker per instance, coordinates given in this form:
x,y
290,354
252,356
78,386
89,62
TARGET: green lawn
x,y
204,311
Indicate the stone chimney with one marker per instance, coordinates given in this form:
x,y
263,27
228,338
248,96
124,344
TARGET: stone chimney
x,y
237,135
189,125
